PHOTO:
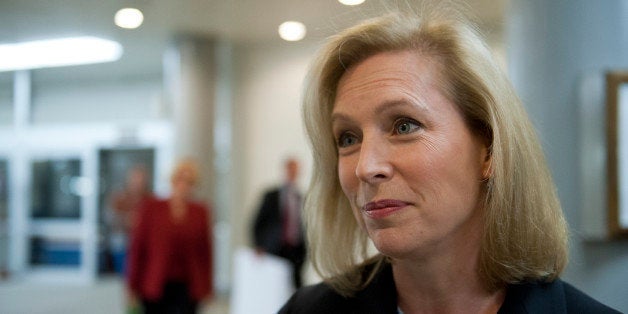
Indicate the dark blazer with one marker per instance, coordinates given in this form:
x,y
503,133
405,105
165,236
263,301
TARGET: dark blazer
x,y
267,229
380,297
150,244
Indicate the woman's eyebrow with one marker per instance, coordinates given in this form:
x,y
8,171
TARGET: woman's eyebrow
x,y
339,116
381,109
394,104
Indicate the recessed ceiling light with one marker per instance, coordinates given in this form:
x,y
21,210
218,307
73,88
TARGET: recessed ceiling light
x,y
292,31
129,18
351,2
58,52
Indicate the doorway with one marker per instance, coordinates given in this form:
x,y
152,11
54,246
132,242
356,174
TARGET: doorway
x,y
115,166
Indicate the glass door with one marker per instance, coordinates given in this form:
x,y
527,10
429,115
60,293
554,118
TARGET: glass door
x,y
55,210
124,173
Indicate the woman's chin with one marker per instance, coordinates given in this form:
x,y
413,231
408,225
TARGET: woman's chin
x,y
393,244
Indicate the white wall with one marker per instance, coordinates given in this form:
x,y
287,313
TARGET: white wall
x,y
267,123
128,101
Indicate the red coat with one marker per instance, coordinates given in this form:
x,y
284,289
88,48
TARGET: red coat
x,y
149,258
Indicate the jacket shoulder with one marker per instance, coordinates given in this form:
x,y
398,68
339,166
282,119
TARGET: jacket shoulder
x,y
578,302
319,298
550,297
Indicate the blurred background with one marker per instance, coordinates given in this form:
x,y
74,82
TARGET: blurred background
x,y
214,80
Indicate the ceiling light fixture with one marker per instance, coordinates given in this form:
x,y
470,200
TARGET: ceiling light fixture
x,y
58,52
351,2
129,18
292,31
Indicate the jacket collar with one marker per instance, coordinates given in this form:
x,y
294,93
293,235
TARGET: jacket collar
x,y
380,296
535,298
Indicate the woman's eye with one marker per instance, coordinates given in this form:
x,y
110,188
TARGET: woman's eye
x,y
347,139
405,126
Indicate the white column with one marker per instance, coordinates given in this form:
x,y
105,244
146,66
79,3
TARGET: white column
x,y
18,216
197,77
22,100
190,78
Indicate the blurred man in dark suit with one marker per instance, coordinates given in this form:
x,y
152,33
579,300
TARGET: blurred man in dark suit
x,y
278,229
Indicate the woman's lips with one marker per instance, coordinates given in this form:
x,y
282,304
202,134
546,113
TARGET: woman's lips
x,y
383,208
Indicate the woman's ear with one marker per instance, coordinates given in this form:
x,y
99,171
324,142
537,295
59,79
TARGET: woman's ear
x,y
487,164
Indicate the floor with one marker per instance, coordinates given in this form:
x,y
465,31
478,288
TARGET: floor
x,y
261,284
104,297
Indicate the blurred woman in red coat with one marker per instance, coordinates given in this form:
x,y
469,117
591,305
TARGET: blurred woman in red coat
x,y
170,257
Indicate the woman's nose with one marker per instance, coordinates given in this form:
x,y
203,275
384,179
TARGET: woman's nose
x,y
374,162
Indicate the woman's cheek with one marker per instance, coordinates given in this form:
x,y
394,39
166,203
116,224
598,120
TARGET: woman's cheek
x,y
346,175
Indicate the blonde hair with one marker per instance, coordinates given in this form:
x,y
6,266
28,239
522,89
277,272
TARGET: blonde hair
x,y
525,235
186,166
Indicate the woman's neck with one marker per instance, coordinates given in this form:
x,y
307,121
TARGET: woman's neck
x,y
447,285
443,277
178,208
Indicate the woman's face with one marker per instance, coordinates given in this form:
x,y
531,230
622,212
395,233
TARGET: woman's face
x,y
407,162
183,183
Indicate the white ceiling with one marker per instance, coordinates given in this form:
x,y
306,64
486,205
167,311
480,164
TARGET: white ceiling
x,y
241,21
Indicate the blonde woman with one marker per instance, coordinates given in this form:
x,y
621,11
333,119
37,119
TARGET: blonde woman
x,y
170,254
422,148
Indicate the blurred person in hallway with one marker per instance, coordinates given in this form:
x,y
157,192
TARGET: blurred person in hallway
x,y
170,260
121,217
278,228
